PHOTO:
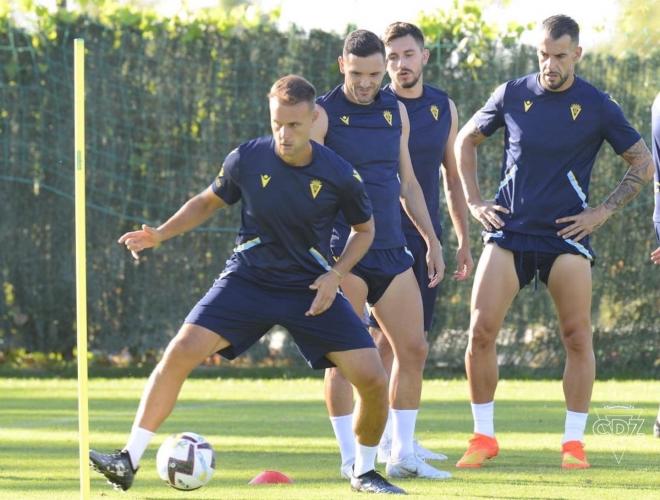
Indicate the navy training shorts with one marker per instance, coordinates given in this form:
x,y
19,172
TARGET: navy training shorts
x,y
379,267
242,311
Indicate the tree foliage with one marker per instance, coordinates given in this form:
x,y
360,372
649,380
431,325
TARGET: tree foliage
x,y
168,99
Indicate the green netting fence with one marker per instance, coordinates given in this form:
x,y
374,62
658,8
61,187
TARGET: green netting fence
x,y
163,109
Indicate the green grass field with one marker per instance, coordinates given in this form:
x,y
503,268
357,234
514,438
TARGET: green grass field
x,y
256,425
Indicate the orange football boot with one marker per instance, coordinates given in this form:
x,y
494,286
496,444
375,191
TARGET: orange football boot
x,y
573,456
481,448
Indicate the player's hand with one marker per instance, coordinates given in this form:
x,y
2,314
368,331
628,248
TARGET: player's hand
x,y
655,256
486,212
582,224
435,263
136,241
326,287
464,264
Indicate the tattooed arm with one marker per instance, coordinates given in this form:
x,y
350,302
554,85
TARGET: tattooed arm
x,y
640,172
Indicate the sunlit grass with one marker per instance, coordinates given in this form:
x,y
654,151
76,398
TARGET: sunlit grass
x,y
282,424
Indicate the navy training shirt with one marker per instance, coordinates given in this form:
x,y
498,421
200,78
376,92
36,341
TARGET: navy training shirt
x,y
287,212
430,123
655,140
369,137
550,144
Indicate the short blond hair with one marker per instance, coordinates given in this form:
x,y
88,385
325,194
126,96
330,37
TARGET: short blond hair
x,y
292,89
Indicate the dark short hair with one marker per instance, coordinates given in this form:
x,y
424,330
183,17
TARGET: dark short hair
x,y
401,29
363,43
292,89
560,25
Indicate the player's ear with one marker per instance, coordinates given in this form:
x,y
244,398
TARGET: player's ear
x,y
425,55
340,60
315,114
578,53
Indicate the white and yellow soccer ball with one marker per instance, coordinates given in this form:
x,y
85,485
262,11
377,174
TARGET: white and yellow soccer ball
x,y
185,461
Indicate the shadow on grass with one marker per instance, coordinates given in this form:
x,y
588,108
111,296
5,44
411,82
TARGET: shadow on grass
x,y
314,468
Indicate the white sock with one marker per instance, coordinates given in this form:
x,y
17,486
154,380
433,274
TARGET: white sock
x,y
403,430
343,427
574,426
365,458
137,444
387,432
483,418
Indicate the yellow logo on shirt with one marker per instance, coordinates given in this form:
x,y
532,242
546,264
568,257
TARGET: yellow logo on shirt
x,y
435,112
344,119
575,111
388,117
265,179
527,104
315,186
218,179
357,175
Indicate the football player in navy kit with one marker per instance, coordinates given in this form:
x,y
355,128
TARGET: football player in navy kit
x,y
539,223
433,127
370,128
291,190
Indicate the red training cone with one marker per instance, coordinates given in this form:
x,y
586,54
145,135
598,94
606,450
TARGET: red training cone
x,y
271,477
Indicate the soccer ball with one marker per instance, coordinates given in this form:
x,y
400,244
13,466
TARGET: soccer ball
x,y
185,461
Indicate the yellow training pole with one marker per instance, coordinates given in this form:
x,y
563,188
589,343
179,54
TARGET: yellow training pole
x,y
81,262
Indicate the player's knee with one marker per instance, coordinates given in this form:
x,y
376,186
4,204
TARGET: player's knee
x,y
415,352
373,380
577,336
483,334
333,374
183,351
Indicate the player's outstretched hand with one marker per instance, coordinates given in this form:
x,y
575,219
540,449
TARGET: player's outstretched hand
x,y
486,212
435,264
136,241
655,256
326,287
464,264
582,224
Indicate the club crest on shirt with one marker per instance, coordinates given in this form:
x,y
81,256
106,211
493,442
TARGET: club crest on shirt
x,y
315,186
344,119
265,179
435,111
388,117
357,175
575,111
218,179
527,104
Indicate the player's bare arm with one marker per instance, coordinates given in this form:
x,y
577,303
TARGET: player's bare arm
x,y
639,173
326,285
193,213
413,202
485,211
456,204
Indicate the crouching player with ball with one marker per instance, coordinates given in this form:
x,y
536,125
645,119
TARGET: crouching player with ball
x,y
291,190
